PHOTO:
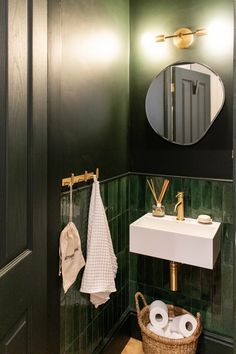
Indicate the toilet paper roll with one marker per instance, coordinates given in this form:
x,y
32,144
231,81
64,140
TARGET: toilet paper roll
x,y
176,335
158,314
157,330
167,332
184,324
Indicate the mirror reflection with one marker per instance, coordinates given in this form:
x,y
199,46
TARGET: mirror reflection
x,y
183,101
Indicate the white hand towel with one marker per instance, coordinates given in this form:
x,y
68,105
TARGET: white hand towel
x,y
71,257
101,264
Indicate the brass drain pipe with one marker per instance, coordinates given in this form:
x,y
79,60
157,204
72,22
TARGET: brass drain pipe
x,y
173,276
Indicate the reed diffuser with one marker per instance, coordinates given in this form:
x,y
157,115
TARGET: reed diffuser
x,y
158,209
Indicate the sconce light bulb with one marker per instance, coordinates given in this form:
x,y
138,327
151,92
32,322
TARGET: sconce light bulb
x,y
160,38
201,32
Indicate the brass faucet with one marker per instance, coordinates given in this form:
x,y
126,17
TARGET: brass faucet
x,y
179,207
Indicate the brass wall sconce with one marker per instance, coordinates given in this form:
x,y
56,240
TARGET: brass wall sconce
x,y
183,37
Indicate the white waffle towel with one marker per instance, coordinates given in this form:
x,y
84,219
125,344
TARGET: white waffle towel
x,y
101,264
71,257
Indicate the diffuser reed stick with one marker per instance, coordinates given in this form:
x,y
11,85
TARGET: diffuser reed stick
x,y
152,188
163,190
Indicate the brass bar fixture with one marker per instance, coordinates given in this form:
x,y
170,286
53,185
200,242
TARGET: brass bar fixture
x,y
183,37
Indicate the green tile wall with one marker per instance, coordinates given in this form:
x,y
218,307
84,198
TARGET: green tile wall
x,y
84,328
206,291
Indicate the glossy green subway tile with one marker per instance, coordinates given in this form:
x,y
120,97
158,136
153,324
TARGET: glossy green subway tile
x,y
196,196
217,201
123,197
196,306
176,186
83,347
133,261
134,214
185,279
226,290
124,230
62,322
206,285
217,298
137,192
120,302
181,300
196,282
227,205
146,291
186,183
97,331
121,236
89,333
166,274
113,198
201,196
133,191
69,322
206,195
164,295
157,272
133,288
114,230
141,274
171,192
84,305
74,347
126,297
115,307
118,279
228,321
205,309
127,199
227,244
148,270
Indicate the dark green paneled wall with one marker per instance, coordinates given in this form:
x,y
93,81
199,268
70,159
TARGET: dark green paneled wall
x,y
149,152
88,107
94,89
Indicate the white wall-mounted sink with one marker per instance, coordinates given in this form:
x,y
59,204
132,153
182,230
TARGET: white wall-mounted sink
x,y
185,241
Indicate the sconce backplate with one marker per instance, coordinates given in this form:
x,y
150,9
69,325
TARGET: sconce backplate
x,y
184,40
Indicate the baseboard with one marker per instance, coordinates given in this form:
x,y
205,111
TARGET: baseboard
x,y
214,343
209,343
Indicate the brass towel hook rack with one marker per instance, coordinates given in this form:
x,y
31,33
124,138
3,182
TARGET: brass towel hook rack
x,y
80,178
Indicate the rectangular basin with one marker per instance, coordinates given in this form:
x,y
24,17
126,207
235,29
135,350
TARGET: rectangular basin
x,y
187,241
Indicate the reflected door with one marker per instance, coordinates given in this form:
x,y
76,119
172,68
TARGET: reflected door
x,y
191,105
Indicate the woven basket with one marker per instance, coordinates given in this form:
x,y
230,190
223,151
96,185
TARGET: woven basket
x,y
154,344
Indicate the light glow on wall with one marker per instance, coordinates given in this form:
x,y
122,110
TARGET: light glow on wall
x,y
103,47
97,48
151,49
219,36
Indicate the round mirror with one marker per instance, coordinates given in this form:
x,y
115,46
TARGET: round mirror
x,y
183,101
